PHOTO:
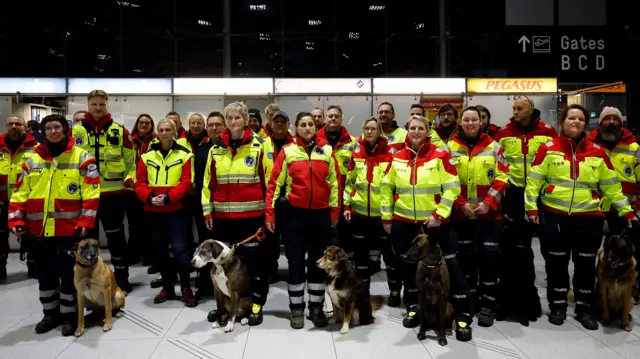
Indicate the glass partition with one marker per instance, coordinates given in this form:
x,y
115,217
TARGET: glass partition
x,y
203,104
401,104
126,109
355,109
5,112
500,107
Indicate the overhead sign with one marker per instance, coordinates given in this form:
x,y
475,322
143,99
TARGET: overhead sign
x,y
512,86
434,104
571,54
322,86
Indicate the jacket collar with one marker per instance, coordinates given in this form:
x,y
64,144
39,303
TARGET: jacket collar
x,y
93,124
29,141
344,135
422,152
381,145
535,120
43,150
225,136
627,137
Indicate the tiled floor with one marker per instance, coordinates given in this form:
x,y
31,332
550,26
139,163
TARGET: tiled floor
x,y
172,331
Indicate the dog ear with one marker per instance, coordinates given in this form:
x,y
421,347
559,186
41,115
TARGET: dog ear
x,y
74,247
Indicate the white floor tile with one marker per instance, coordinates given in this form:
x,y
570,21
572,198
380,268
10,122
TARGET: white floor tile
x,y
34,351
9,320
19,302
382,343
22,334
486,343
216,346
193,322
305,343
140,348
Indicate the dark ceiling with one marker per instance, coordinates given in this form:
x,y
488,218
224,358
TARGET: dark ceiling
x,y
272,38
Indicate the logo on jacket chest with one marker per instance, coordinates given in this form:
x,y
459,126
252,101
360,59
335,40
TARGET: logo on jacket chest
x,y
627,171
79,141
490,173
249,161
72,188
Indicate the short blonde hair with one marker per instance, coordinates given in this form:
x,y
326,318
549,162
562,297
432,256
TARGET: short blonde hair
x,y
374,119
421,119
273,107
196,114
171,124
238,107
97,93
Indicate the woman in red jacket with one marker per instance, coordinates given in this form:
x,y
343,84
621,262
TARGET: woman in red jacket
x,y
309,171
163,179
477,215
370,161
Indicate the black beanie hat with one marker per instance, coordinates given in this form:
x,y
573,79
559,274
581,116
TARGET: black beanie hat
x,y
255,113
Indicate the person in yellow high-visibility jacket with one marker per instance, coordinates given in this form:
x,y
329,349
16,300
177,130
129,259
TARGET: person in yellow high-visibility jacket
x,y
477,213
56,201
417,195
565,175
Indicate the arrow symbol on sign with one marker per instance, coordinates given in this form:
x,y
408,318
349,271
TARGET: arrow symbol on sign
x,y
524,40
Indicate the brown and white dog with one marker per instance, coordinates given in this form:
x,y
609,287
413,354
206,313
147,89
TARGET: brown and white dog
x,y
616,273
96,285
232,283
350,302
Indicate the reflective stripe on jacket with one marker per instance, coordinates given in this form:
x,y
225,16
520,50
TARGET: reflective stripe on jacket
x,y
310,178
521,144
483,173
271,153
234,184
366,171
11,163
625,157
111,145
396,138
54,197
419,185
566,176
342,151
170,176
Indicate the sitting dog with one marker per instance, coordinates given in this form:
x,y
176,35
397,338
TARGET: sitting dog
x,y
350,302
616,273
432,281
232,283
96,285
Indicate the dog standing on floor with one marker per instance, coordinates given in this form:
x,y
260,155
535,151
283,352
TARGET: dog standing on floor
x,y
350,302
232,283
616,273
96,285
432,281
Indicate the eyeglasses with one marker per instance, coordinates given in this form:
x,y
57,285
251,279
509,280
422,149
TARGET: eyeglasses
x,y
15,124
53,129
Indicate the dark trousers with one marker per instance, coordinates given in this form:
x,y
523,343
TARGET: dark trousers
x,y
111,215
140,243
344,237
306,230
578,238
274,239
4,234
402,234
233,231
169,231
479,253
369,234
517,291
194,203
55,275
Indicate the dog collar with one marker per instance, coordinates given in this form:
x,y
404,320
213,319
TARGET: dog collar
x,y
435,265
83,265
228,256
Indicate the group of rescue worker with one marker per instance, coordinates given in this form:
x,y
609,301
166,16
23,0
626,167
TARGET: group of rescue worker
x,y
481,192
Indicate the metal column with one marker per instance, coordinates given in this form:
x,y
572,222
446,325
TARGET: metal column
x,y
442,37
226,32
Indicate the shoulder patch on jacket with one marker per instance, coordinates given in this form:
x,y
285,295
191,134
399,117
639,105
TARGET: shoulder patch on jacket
x,y
549,144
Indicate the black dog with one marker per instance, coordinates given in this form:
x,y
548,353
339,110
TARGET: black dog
x,y
432,282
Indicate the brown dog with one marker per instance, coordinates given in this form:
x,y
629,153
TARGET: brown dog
x,y
432,282
616,273
350,301
96,285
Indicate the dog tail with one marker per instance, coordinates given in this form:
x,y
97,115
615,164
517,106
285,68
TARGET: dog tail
x,y
570,295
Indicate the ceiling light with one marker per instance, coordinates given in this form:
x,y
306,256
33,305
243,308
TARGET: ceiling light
x,y
354,35
257,7
204,23
265,37
314,22
128,4
103,57
376,7
137,70
420,26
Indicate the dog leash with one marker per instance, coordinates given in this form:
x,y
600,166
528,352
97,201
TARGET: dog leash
x,y
259,235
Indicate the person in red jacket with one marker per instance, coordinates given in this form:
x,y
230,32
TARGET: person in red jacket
x,y
309,171
485,118
477,214
370,161
163,178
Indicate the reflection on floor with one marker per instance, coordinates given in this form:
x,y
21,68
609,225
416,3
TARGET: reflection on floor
x,y
170,330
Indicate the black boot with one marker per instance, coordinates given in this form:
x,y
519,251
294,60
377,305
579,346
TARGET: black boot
x,y
47,323
69,324
318,318
122,279
3,268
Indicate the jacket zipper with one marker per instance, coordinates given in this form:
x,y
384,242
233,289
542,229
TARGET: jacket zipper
x,y
575,179
311,180
413,182
526,147
369,188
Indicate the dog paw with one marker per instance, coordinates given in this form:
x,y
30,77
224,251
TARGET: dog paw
x,y
79,332
119,314
215,325
524,322
106,327
627,327
229,327
442,341
448,332
345,329
244,321
422,335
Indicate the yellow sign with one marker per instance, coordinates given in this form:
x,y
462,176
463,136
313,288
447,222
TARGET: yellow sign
x,y
615,89
512,86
